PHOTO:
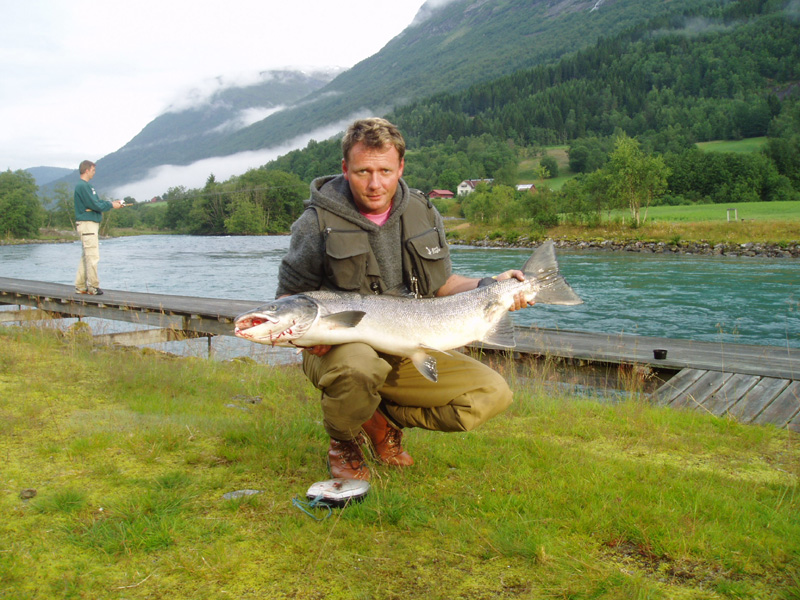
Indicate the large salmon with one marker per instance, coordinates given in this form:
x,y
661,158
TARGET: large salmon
x,y
405,326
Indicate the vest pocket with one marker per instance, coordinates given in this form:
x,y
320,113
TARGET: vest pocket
x,y
346,258
427,256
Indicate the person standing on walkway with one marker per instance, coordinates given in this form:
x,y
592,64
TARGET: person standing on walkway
x,y
89,209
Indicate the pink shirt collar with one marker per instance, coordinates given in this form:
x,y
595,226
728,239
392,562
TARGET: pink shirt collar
x,y
380,219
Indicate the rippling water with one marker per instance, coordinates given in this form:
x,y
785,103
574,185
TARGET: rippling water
x,y
742,300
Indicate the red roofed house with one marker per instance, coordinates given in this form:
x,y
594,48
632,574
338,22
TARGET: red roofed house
x,y
441,194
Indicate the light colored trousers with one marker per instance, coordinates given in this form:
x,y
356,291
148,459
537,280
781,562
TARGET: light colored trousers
x,y
355,380
86,277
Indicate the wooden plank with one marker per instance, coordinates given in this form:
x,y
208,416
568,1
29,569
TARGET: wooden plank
x,y
143,337
783,408
751,359
757,398
34,314
696,394
675,386
729,394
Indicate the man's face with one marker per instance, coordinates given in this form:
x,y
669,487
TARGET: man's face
x,y
89,173
373,174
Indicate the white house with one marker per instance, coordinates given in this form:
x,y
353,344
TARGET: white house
x,y
468,185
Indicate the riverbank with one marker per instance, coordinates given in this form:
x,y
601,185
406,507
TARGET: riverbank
x,y
754,249
766,239
589,241
46,236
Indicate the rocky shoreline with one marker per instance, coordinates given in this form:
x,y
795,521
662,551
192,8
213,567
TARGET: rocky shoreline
x,y
753,249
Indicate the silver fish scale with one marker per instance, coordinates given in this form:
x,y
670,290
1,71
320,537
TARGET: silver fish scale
x,y
443,323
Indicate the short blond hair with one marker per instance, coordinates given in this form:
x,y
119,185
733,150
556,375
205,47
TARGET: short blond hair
x,y
374,133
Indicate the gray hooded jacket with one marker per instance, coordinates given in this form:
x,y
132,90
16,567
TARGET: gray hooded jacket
x,y
302,269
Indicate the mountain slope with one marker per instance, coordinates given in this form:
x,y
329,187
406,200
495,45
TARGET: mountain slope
x,y
45,175
447,48
183,134
458,45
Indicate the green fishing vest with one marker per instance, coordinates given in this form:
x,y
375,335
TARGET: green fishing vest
x,y
350,263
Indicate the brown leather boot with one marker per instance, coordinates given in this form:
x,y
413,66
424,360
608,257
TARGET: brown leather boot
x,y
385,441
346,461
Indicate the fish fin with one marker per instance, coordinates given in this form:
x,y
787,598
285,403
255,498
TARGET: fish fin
x,y
502,334
426,365
541,262
343,320
558,291
554,289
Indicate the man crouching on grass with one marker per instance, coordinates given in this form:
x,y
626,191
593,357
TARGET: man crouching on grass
x,y
353,236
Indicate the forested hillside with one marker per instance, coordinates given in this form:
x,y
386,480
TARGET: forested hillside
x,y
630,110
728,72
455,46
447,48
713,74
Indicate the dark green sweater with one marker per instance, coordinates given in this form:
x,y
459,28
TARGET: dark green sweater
x,y
88,205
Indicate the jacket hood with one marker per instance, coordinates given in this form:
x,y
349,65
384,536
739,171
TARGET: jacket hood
x,y
332,193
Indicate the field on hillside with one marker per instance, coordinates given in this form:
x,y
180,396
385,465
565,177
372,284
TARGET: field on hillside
x,y
748,145
527,168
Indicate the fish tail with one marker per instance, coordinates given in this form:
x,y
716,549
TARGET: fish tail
x,y
553,288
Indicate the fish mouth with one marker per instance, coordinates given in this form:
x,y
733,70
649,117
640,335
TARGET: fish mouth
x,y
245,324
250,321
257,328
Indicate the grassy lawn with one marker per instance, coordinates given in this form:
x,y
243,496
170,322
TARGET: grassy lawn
x,y
763,222
748,145
130,453
744,211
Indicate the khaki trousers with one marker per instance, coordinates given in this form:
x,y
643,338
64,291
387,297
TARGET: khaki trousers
x,y
355,380
86,278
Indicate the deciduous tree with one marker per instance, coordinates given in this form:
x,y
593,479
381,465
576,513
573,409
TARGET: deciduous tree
x,y
635,178
21,213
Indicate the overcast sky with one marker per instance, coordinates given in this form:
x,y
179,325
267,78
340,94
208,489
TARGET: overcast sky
x,y
80,78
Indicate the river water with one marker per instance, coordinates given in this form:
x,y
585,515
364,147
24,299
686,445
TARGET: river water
x,y
732,299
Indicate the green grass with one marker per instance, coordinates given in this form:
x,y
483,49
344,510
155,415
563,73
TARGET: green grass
x,y
130,454
747,145
528,169
745,211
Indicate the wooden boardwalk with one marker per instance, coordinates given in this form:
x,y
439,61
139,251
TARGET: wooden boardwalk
x,y
208,316
754,384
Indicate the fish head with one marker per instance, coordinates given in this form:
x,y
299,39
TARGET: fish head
x,y
281,322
